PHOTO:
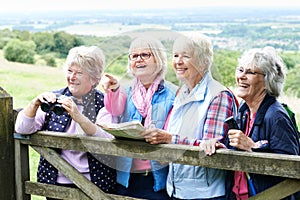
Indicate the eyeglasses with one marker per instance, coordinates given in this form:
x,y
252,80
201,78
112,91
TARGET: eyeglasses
x,y
248,72
143,56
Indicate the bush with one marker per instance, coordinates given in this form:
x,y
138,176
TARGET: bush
x,y
292,82
50,60
20,51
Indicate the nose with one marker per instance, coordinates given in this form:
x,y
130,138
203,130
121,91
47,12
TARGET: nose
x,y
178,59
73,75
139,58
241,75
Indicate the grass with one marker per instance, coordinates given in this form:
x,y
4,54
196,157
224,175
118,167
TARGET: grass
x,y
24,82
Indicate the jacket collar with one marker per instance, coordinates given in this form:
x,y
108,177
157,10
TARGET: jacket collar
x,y
197,93
260,115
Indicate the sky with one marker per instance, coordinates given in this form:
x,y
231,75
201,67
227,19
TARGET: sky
x,y
43,5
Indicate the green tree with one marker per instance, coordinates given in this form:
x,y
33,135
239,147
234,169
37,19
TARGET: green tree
x,y
289,62
115,48
64,42
292,82
20,51
291,58
224,65
44,42
22,35
5,37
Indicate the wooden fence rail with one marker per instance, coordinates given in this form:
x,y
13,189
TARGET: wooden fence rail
x,y
17,185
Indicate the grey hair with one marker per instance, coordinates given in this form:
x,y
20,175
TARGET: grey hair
x,y
157,49
272,65
200,45
90,59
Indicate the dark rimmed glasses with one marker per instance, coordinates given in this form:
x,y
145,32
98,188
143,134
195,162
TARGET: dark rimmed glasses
x,y
143,56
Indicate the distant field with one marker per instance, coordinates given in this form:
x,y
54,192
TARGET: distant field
x,y
108,29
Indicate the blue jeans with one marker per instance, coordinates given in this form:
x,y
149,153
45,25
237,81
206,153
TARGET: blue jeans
x,y
141,186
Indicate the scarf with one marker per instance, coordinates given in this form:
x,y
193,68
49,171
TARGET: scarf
x,y
142,98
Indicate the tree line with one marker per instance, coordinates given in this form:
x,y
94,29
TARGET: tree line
x,y
50,47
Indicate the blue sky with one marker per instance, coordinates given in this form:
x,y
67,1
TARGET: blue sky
x,y
31,5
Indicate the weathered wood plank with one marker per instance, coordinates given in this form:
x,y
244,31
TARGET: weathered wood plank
x,y
21,170
54,191
7,158
260,163
90,189
279,191
42,189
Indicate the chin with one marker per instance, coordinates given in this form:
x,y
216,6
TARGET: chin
x,y
182,78
72,90
241,95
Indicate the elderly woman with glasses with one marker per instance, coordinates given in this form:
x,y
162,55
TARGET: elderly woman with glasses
x,y
263,123
148,100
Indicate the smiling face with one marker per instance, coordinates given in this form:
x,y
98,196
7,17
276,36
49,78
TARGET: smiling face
x,y
143,65
192,58
186,69
79,82
251,84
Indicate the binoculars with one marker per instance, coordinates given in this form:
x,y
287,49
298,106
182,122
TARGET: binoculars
x,y
55,107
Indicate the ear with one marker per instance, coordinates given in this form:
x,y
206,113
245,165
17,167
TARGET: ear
x,y
95,82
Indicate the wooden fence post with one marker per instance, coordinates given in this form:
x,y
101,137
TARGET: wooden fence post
x,y
7,154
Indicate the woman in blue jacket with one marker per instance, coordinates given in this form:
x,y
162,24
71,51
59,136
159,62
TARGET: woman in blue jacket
x,y
148,100
264,124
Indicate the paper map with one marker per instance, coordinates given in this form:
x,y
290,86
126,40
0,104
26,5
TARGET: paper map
x,y
130,130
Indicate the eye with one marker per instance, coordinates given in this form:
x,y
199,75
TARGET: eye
x,y
134,56
175,55
186,56
145,54
250,72
80,73
240,70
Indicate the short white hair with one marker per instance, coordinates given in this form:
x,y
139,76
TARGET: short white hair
x,y
272,65
89,58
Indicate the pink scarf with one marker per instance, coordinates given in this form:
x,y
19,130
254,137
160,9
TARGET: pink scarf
x,y
142,98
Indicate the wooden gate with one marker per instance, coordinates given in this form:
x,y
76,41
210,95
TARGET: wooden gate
x,y
15,184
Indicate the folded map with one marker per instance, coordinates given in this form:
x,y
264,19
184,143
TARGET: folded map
x,y
130,130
